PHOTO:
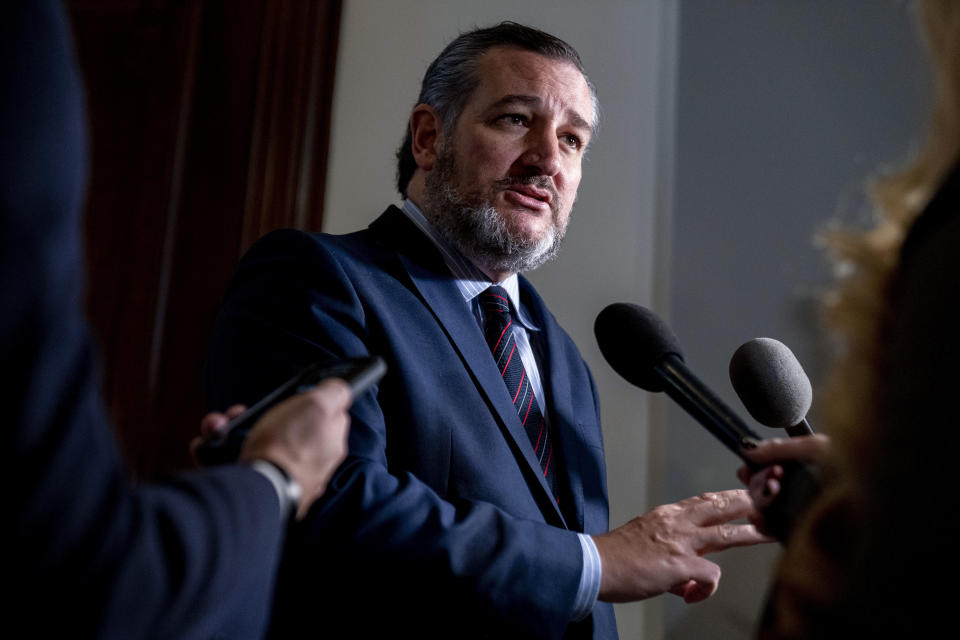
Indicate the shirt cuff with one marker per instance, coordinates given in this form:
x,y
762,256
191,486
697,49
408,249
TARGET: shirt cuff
x,y
590,577
288,491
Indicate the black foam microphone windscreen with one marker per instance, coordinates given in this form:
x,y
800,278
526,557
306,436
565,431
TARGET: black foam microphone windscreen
x,y
642,348
634,340
771,383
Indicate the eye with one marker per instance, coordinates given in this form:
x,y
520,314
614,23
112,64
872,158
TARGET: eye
x,y
572,141
516,119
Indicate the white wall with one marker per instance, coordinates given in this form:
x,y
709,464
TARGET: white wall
x,y
610,252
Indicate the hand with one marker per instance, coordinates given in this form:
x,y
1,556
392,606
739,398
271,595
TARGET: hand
x,y
211,424
306,435
764,485
661,550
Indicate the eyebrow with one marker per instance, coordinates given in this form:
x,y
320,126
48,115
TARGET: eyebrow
x,y
514,98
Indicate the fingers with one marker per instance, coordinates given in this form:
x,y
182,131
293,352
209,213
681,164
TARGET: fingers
x,y
306,435
694,591
717,506
214,422
211,424
806,448
703,582
334,394
726,536
712,513
698,591
765,485
662,549
235,410
683,588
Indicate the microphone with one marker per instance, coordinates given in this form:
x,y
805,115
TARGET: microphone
x,y
772,385
642,348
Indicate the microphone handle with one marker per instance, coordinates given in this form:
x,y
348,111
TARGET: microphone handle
x,y
704,405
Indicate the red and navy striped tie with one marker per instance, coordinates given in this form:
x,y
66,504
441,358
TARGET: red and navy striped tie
x,y
498,330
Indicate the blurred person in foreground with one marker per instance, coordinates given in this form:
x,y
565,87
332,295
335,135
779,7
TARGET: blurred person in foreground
x,y
89,556
873,557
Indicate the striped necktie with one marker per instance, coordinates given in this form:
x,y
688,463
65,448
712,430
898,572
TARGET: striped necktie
x,y
498,330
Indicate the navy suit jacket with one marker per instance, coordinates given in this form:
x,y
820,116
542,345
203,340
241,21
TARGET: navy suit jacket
x,y
86,555
439,522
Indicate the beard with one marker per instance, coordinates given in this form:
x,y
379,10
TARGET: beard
x,y
471,222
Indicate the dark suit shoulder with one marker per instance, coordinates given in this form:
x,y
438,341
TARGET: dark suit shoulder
x,y
297,245
368,246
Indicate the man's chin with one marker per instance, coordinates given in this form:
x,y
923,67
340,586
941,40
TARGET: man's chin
x,y
527,226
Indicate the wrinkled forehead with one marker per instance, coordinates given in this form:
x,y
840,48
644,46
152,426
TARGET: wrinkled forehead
x,y
510,71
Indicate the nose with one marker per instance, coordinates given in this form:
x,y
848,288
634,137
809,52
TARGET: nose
x,y
542,154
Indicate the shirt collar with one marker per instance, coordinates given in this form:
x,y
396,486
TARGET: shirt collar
x,y
470,280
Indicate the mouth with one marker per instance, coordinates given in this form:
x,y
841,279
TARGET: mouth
x,y
532,192
530,197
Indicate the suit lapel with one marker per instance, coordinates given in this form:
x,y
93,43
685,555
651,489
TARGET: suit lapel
x,y
433,281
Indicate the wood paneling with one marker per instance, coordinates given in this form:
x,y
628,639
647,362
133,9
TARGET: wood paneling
x,y
210,127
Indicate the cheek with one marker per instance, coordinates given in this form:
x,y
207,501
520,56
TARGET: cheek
x,y
570,183
488,156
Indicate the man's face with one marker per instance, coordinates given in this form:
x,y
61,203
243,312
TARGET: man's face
x,y
506,177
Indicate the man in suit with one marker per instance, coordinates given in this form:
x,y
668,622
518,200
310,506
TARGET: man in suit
x,y
456,511
87,555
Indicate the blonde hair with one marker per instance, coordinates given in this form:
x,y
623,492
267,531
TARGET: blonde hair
x,y
843,573
867,259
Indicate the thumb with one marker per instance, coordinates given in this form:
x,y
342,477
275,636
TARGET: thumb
x,y
704,578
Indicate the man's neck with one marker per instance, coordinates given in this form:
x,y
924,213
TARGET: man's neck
x,y
496,277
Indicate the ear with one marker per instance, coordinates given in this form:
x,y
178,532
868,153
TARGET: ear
x,y
424,134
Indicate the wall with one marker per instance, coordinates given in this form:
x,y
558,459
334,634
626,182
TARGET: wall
x,y
783,108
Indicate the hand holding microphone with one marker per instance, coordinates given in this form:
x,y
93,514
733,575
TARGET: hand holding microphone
x,y
776,391
300,428
641,348
775,457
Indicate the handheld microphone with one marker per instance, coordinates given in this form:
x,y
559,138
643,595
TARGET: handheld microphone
x,y
772,385
359,373
642,348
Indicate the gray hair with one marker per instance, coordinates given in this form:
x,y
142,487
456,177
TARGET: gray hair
x,y
452,77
